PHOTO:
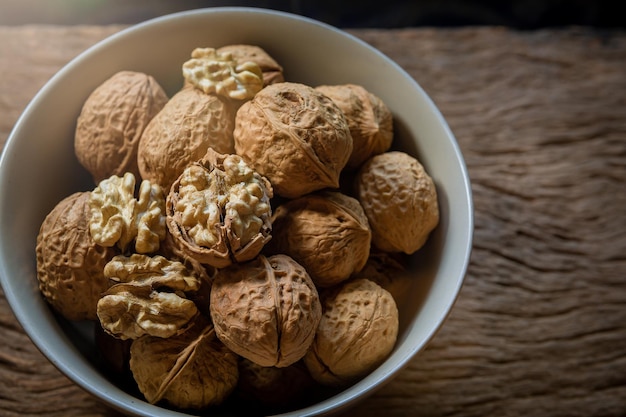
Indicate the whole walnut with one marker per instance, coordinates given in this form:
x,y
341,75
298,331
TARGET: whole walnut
x,y
218,210
190,123
70,265
369,119
266,310
295,136
272,71
192,370
113,119
357,333
400,201
326,232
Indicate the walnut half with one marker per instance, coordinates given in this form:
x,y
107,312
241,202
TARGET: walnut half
x,y
117,218
148,297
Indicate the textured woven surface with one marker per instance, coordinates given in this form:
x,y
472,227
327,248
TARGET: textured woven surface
x,y
540,325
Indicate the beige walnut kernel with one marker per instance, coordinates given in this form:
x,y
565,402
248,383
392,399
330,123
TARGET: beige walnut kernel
x,y
369,119
326,232
218,210
221,74
272,71
400,201
357,332
192,370
69,263
112,120
295,136
147,297
118,218
189,124
266,310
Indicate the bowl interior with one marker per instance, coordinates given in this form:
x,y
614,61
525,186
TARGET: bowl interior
x,y
38,168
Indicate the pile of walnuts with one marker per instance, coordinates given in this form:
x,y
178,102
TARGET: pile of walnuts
x,y
243,236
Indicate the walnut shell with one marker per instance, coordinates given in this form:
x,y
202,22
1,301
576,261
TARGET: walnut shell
x,y
326,232
192,370
400,201
272,71
295,136
369,119
357,332
70,265
189,124
266,310
112,120
218,210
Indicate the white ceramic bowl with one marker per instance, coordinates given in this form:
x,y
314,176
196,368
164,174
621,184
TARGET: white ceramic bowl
x,y
38,168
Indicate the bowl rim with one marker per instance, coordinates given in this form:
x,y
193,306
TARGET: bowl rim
x,y
343,399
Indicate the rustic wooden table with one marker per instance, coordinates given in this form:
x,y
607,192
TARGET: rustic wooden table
x,y
540,325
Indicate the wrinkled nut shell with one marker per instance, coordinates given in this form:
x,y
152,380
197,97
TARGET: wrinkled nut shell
x,y
295,136
357,332
192,370
112,121
266,310
189,124
369,119
70,264
326,232
400,201
272,71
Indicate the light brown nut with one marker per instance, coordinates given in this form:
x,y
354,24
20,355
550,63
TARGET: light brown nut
x,y
148,297
326,232
357,333
69,263
221,74
218,210
272,71
118,218
193,370
400,201
369,119
295,136
266,310
189,124
112,120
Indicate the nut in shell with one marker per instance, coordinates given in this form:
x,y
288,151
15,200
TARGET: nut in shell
x,y
113,119
221,74
357,332
148,297
326,232
218,210
295,136
189,124
118,218
266,310
369,119
400,201
69,263
192,370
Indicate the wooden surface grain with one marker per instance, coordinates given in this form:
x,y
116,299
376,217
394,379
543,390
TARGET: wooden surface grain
x,y
540,325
